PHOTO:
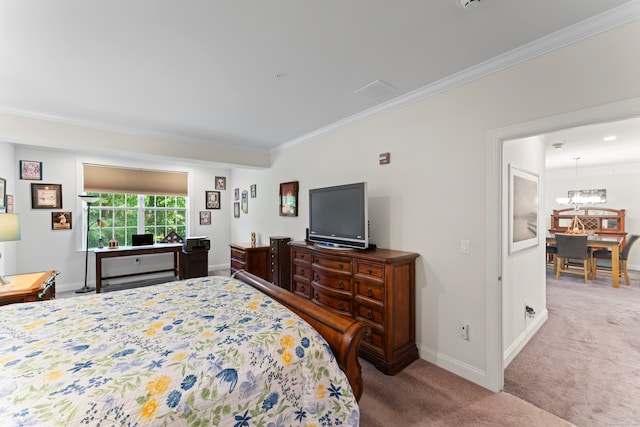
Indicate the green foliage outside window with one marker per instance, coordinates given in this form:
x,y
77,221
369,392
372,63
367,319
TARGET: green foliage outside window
x,y
129,214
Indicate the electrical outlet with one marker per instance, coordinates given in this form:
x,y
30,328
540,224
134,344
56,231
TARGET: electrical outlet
x,y
464,331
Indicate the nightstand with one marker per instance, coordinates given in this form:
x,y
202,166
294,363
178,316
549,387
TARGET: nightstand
x,y
29,287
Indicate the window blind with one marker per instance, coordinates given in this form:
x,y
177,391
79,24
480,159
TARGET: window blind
x,y
112,179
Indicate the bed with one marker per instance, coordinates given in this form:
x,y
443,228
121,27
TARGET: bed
x,y
209,351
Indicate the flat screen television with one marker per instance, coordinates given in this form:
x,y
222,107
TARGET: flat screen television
x,y
339,217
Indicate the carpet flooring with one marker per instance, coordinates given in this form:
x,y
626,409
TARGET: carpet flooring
x,y
583,365
423,394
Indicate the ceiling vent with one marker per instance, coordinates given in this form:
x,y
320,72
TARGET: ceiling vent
x,y
377,90
468,4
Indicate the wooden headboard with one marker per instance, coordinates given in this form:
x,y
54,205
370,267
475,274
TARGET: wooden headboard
x,y
603,221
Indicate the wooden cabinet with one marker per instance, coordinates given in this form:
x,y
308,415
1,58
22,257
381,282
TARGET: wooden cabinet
x,y
280,263
194,264
375,286
254,259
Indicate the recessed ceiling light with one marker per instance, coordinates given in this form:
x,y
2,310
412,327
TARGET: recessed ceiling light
x,y
610,138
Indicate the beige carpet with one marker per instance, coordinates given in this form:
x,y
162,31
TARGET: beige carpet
x,y
424,395
584,363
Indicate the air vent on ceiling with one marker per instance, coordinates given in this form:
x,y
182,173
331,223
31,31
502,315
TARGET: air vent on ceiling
x,y
377,90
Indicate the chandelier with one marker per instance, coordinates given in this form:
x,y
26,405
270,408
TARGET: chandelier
x,y
577,198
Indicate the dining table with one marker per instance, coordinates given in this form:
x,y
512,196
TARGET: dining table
x,y
598,241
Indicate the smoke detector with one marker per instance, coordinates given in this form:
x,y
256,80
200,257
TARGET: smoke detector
x,y
468,4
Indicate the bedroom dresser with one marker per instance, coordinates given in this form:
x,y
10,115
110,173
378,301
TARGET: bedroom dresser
x,y
376,286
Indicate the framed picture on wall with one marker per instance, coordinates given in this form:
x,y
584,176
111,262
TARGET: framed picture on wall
x,y
245,202
236,209
289,198
3,194
212,199
236,194
46,196
205,218
9,203
523,209
221,183
30,170
61,220
253,191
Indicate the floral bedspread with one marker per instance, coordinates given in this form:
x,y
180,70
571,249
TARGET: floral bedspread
x,y
208,351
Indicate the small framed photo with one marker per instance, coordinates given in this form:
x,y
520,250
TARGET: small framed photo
x,y
221,183
236,209
289,198
245,201
205,217
3,194
61,220
9,203
212,199
523,209
30,170
236,194
46,196
253,191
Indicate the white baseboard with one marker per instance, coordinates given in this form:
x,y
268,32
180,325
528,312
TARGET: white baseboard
x,y
526,335
455,366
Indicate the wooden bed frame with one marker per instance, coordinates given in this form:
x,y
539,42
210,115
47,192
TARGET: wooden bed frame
x,y
342,333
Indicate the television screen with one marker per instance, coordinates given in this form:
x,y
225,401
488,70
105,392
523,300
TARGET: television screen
x,y
338,215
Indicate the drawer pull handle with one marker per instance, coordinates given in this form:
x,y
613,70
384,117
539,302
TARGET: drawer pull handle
x,y
369,271
317,277
340,266
341,306
369,314
340,285
368,338
369,292
302,273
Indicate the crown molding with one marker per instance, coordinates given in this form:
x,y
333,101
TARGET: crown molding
x,y
613,18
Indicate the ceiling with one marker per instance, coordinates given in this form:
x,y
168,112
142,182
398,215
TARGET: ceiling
x,y
251,74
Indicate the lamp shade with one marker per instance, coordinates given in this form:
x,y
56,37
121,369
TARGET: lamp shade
x,y
89,199
9,227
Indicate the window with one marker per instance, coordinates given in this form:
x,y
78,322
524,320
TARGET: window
x,y
119,216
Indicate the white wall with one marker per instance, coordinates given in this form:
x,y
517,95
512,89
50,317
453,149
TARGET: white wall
x,y
7,171
434,192
523,271
42,248
623,192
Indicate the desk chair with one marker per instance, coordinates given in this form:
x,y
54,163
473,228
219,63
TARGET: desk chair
x,y
605,255
573,247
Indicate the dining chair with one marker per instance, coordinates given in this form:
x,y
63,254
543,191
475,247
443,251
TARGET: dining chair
x,y
552,256
605,255
573,247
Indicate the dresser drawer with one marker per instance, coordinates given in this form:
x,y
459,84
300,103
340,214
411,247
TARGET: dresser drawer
x,y
238,254
238,265
374,341
370,313
302,288
335,263
336,303
335,281
301,255
370,269
369,290
302,271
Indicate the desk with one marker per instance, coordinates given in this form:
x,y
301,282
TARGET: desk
x,y
29,287
610,242
125,251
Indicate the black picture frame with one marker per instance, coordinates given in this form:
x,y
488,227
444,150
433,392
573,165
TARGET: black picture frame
x,y
205,217
236,209
253,191
289,199
236,194
212,199
31,170
46,196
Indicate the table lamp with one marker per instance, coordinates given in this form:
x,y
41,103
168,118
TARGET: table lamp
x,y
9,231
102,225
88,200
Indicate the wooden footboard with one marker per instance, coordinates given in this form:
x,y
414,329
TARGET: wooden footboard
x,y
342,333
